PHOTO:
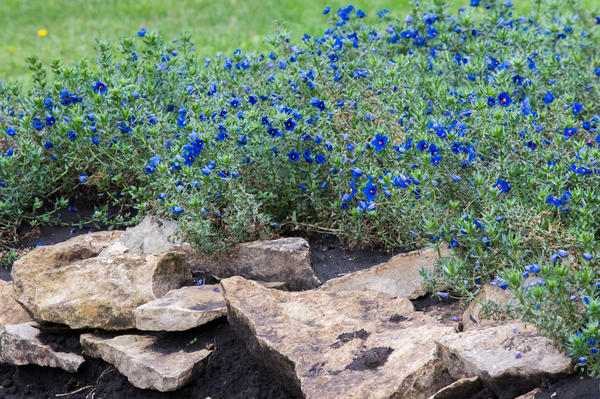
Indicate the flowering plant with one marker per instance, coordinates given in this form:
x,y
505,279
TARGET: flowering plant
x,y
476,129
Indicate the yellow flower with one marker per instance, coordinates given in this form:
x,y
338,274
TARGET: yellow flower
x,y
11,49
42,32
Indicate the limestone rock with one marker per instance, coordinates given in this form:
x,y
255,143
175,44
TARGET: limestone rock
x,y
284,259
274,285
464,388
510,359
530,394
22,344
398,277
338,344
11,312
148,361
472,317
26,269
103,292
153,235
182,309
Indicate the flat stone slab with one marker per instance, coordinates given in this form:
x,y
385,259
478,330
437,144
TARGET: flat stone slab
x,y
182,309
22,344
338,344
399,277
464,388
510,359
149,361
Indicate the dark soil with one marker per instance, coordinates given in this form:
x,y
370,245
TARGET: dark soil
x,y
74,218
573,387
331,260
370,359
4,274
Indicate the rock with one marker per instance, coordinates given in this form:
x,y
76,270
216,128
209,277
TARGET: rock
x,y
472,318
285,259
338,344
11,311
464,388
22,344
149,361
274,285
399,277
26,269
182,309
103,292
530,394
508,362
151,236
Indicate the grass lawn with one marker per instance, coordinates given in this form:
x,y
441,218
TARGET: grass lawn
x,y
72,26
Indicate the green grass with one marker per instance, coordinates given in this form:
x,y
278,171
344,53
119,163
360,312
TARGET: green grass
x,y
221,25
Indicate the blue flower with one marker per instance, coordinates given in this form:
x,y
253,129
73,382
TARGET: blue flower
x,y
155,160
533,268
83,178
177,210
326,10
504,99
502,186
10,131
99,87
142,32
48,144
569,132
8,153
562,253
548,98
379,142
290,124
370,191
307,157
293,155
576,107
360,14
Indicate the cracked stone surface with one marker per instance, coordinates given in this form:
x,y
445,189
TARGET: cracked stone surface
x,y
338,344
